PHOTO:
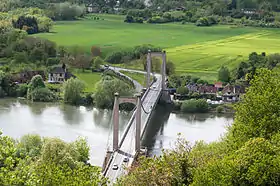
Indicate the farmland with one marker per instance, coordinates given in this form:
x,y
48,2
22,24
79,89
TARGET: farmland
x,y
195,50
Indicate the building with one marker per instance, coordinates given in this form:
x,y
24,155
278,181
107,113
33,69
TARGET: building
x,y
219,86
232,93
59,74
26,76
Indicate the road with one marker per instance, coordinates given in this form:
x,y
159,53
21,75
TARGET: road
x,y
127,148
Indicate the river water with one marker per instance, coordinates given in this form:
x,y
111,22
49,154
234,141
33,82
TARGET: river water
x,y
18,117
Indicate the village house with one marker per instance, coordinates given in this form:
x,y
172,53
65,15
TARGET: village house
x,y
59,74
202,89
232,93
219,86
26,76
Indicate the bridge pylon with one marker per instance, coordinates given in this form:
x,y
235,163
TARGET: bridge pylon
x,y
137,102
165,95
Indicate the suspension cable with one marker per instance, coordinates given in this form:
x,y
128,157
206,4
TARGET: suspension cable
x,y
146,112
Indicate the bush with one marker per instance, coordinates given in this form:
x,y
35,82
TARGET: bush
x,y
219,109
22,90
139,20
194,106
42,94
183,90
177,105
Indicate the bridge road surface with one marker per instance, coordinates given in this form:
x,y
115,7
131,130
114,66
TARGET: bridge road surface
x,y
127,149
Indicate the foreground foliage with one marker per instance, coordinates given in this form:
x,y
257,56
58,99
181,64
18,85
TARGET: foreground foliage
x,y
46,161
248,154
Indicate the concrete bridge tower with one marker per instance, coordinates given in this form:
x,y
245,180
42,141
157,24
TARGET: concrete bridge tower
x,y
165,94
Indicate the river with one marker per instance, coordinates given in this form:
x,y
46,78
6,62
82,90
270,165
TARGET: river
x,y
18,117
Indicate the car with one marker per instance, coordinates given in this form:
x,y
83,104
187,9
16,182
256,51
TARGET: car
x,y
126,159
106,66
154,87
115,167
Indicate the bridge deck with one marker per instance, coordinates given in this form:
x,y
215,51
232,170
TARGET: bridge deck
x,y
127,148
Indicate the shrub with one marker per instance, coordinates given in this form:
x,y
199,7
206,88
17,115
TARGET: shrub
x,y
219,109
22,90
183,90
203,21
193,106
177,105
42,94
139,20
129,19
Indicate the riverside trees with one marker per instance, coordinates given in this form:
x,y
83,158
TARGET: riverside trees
x,y
247,155
46,161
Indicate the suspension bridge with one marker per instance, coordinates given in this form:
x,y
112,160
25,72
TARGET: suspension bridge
x,y
124,150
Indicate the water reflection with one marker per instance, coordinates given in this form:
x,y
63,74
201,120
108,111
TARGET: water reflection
x,y
164,128
155,129
71,115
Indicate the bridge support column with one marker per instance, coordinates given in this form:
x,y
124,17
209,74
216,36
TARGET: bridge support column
x,y
116,123
163,70
148,75
138,124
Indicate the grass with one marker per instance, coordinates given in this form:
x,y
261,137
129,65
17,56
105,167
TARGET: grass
x,y
89,78
140,78
198,51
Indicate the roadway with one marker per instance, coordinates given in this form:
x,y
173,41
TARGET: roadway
x,y
127,148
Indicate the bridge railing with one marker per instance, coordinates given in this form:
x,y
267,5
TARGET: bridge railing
x,y
128,127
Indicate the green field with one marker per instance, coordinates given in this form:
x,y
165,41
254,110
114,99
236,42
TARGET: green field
x,y
89,78
196,50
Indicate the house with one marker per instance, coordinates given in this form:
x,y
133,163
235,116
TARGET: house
x,y
26,76
207,89
219,86
232,93
202,89
59,74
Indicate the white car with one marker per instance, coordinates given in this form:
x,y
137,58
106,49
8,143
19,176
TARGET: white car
x,y
115,167
126,159
154,87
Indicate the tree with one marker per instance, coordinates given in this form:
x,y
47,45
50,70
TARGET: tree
x,y
29,24
257,115
72,90
256,163
224,74
105,90
172,168
97,62
170,68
